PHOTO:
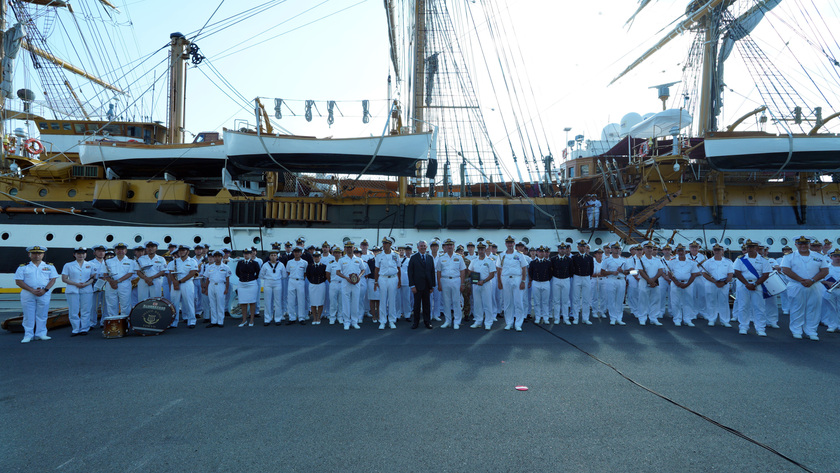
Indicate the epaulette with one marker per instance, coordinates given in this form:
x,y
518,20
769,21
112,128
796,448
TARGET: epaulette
x,y
24,264
50,264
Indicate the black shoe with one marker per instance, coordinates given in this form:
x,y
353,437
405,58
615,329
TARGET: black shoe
x,y
227,314
290,322
278,323
302,322
266,324
429,326
74,334
209,325
191,326
205,321
414,326
83,333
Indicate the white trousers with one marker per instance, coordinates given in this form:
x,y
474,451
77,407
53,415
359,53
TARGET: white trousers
x,y
483,303
297,300
145,291
633,294
682,303
717,303
34,313
581,297
351,310
752,308
647,307
512,298
613,293
451,292
387,299
592,217
335,306
274,301
184,301
118,300
560,300
216,302
79,308
831,310
97,300
541,292
804,308
404,297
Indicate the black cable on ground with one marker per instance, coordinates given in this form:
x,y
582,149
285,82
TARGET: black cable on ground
x,y
681,406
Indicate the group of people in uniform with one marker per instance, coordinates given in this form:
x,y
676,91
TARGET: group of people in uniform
x,y
476,282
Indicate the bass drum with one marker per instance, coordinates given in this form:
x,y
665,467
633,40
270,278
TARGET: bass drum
x,y
775,284
152,316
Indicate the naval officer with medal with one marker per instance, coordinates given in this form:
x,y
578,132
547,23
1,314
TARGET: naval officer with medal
x,y
35,280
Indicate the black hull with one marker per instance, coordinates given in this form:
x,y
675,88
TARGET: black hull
x,y
146,168
323,163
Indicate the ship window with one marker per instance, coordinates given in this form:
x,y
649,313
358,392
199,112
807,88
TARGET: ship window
x,y
256,240
129,194
112,129
741,241
49,236
79,237
598,241
43,126
42,192
109,238
571,172
71,193
584,170
770,241
197,239
712,241
79,128
727,241
5,236
132,131
66,127
13,191
92,127
694,197
167,239
55,126
156,194
749,197
783,241
226,240
778,197
138,238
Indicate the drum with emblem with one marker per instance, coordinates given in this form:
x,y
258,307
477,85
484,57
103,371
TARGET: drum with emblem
x,y
775,284
115,327
152,316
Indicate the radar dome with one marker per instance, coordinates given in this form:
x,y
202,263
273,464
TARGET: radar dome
x,y
611,132
629,121
647,115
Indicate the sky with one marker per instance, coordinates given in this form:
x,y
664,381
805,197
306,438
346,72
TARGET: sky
x,y
337,50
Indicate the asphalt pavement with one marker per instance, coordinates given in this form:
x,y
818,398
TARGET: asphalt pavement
x,y
318,398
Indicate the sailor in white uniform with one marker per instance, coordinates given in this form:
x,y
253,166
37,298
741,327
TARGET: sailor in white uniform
x,y
450,276
512,272
805,269
831,300
182,269
683,275
404,293
389,281
79,275
718,272
152,271
483,289
36,280
216,284
771,304
121,269
98,298
751,270
334,295
650,269
612,273
350,291
272,274
296,270
593,211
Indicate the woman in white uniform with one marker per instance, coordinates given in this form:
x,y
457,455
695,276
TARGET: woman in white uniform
x,y
79,275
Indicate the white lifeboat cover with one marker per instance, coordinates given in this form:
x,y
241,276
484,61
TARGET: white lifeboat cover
x,y
661,124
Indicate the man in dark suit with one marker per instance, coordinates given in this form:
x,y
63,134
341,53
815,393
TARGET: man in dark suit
x,y
421,280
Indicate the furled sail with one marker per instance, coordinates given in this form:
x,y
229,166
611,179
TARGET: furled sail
x,y
11,45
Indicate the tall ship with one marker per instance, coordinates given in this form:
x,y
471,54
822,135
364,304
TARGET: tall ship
x,y
77,171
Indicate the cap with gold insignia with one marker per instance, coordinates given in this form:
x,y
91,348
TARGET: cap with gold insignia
x,y
37,249
717,247
694,244
615,245
80,249
364,242
448,241
510,239
199,247
434,243
802,240
297,249
316,254
835,252
482,246
349,243
98,247
648,244
326,243
335,249
287,244
750,243
152,243
388,240
460,248
680,246
139,248
581,242
598,250
300,240
826,242
120,245
667,247
787,248
469,244
217,253
180,247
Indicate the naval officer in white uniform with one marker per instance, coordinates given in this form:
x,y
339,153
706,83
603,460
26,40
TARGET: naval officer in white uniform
x,y
35,279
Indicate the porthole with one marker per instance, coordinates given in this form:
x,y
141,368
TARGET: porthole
x,y
79,237
4,236
749,197
777,198
598,241
138,238
71,193
694,197
727,241
42,192
49,236
713,241
197,239
226,240
129,194
569,240
792,198
741,241
784,241
256,240
156,194
109,238
834,198
13,191
167,239
770,241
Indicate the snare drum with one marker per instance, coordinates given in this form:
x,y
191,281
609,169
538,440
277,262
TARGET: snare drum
x,y
115,327
152,316
775,284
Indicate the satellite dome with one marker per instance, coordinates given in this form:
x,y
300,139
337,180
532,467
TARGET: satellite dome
x,y
629,121
611,132
647,115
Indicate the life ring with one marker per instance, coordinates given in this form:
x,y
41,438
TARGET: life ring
x,y
644,149
33,146
565,153
133,141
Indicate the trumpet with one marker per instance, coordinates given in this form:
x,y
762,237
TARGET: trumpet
x,y
833,287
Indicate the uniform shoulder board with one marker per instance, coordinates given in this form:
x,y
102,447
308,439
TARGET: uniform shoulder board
x,y
22,265
50,264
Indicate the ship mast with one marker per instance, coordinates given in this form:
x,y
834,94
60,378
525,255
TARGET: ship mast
x,y
2,97
707,77
177,78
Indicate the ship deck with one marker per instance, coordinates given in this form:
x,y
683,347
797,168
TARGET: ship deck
x,y
319,398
